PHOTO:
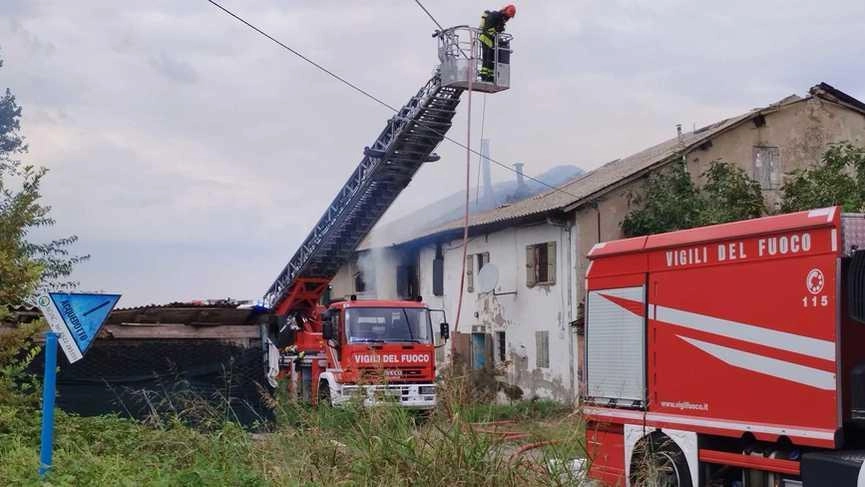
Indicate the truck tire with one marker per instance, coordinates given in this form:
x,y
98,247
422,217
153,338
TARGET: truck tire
x,y
324,395
658,462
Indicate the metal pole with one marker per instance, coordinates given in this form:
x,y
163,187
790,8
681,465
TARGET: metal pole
x,y
471,76
48,393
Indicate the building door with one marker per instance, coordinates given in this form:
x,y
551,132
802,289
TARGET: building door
x,y
479,350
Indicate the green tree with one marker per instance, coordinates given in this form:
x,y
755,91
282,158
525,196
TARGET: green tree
x,y
25,266
670,200
839,179
729,194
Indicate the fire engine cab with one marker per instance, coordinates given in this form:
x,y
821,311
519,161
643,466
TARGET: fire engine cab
x,y
732,354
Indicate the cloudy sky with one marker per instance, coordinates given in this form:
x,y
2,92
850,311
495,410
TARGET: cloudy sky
x,y
191,156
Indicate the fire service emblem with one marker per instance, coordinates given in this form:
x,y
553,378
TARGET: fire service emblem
x,y
815,281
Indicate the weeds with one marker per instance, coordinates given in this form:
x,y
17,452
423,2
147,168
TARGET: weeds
x,y
194,441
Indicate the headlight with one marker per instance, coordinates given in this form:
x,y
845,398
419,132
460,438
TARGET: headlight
x,y
427,390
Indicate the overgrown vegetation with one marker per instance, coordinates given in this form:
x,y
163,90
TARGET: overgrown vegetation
x,y
839,179
346,446
670,200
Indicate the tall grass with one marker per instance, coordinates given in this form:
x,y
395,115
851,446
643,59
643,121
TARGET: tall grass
x,y
352,445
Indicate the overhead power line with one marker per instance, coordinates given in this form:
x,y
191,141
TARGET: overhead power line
x,y
429,15
376,99
300,55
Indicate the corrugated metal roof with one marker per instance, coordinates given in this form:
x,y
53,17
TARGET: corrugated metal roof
x,y
583,189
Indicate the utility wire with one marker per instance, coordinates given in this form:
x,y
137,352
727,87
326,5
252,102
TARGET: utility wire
x,y
436,22
300,55
481,158
379,100
429,15
468,191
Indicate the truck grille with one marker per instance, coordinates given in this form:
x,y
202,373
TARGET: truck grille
x,y
391,374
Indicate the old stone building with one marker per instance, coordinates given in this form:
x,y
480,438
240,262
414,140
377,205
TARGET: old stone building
x,y
524,317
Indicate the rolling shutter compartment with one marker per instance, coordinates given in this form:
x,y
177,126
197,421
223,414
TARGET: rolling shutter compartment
x,y
616,344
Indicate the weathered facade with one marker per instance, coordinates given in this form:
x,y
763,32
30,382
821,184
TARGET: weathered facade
x,y
528,327
767,143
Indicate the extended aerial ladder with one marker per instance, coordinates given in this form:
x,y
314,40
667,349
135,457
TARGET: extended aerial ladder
x,y
407,142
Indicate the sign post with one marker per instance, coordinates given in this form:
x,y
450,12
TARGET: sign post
x,y
48,393
75,320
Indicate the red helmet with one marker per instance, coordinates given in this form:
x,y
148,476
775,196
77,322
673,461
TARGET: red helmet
x,y
510,11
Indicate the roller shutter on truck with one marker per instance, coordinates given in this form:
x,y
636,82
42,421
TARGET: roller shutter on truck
x,y
615,345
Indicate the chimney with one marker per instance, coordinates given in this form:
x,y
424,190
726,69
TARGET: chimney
x,y
521,182
488,196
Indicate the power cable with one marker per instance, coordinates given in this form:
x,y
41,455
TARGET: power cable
x,y
429,15
471,77
481,158
436,22
378,100
300,55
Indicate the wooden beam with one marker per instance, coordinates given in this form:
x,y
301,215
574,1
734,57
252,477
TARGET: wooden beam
x,y
174,331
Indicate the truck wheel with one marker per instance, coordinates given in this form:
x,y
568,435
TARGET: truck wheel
x,y
657,461
324,395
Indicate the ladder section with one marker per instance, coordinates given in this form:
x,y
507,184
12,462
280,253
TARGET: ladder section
x,y
388,165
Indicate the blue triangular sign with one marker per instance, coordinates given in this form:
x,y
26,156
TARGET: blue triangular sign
x,y
82,316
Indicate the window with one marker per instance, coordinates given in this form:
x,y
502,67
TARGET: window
x,y
483,258
359,283
438,273
542,343
406,281
541,264
767,166
502,345
371,325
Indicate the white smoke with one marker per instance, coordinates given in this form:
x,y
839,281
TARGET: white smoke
x,y
373,267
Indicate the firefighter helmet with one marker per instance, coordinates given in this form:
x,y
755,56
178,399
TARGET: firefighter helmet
x,y
510,11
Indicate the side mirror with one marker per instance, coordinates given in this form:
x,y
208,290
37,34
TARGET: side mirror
x,y
445,331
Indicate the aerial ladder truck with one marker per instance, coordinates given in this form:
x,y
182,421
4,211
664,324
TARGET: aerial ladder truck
x,y
373,350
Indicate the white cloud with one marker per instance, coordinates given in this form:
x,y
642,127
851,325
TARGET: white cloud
x,y
191,156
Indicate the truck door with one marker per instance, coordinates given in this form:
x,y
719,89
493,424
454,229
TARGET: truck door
x,y
616,345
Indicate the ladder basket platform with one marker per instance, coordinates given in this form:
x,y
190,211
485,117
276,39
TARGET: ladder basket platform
x,y
461,54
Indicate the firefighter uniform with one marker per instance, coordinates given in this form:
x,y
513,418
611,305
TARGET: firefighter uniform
x,y
492,23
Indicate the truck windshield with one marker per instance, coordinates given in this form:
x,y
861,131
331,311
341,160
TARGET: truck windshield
x,y
371,325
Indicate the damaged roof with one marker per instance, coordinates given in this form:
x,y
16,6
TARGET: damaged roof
x,y
588,187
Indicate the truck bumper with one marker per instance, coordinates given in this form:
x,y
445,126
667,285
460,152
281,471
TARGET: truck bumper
x,y
417,396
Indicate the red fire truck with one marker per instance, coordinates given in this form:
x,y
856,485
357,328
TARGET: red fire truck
x,y
731,354
372,349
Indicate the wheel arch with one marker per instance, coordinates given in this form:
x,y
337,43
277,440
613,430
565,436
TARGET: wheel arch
x,y
328,378
685,441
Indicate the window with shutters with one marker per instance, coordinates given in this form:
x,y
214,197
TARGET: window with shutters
x,y
483,258
438,273
541,264
502,346
542,343
767,166
406,282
